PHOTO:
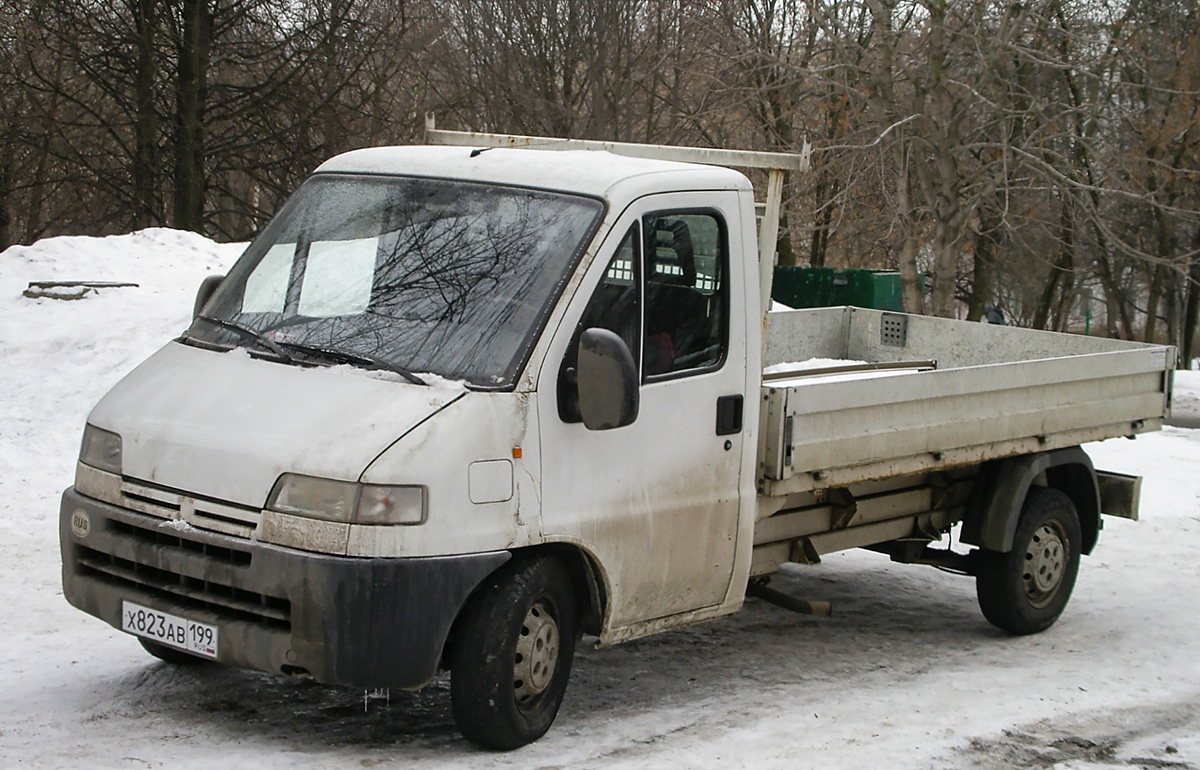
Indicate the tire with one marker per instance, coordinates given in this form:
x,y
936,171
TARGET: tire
x,y
511,656
170,654
1025,590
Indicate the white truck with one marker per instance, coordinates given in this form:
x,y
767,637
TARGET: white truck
x,y
458,406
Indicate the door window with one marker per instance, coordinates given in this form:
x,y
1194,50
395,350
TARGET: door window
x,y
686,297
665,293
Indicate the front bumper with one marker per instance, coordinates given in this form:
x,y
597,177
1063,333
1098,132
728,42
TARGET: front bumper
x,y
350,621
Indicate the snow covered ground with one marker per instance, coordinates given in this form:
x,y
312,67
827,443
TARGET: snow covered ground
x,y
907,674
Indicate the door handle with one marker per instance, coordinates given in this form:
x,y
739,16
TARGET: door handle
x,y
729,415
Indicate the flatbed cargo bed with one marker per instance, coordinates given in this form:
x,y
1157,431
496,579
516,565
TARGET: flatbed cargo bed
x,y
878,431
964,394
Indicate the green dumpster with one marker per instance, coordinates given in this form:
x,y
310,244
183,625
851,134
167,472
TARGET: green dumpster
x,y
799,287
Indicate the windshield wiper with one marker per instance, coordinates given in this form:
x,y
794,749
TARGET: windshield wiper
x,y
357,358
245,332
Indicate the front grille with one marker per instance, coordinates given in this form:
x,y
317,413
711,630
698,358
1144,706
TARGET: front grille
x,y
213,515
219,596
160,538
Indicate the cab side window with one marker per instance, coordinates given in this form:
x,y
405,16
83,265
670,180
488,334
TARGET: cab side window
x,y
686,296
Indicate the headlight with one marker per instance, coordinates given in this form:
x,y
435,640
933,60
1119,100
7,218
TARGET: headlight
x,y
314,497
101,449
346,501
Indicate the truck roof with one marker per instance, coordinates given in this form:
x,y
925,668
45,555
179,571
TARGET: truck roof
x,y
579,171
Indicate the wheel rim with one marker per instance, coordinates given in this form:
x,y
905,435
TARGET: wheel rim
x,y
1046,557
537,653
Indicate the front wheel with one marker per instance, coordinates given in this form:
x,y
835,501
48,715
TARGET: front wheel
x,y
512,654
1025,590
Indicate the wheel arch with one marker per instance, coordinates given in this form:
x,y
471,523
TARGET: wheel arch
x,y
591,592
588,584
1000,492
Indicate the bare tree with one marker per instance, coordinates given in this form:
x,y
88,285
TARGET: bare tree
x,y
996,152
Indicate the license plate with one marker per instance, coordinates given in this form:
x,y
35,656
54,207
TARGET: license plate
x,y
170,630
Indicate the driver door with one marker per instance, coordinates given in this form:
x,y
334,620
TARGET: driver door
x,y
656,501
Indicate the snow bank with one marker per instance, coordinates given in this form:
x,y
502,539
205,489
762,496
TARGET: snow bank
x,y
60,356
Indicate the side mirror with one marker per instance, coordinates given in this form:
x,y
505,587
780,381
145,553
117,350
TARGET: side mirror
x,y
607,379
208,287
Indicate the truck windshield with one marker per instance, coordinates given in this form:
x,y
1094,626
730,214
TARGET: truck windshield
x,y
423,275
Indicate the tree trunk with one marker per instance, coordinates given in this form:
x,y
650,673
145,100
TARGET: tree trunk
x,y
783,244
1066,296
194,46
38,182
1060,282
910,276
938,170
1156,287
1119,323
825,193
7,151
1191,308
145,123
1165,234
945,268
986,248
1171,299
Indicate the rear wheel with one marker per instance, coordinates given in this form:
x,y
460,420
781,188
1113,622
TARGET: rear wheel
x,y
512,654
1025,590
